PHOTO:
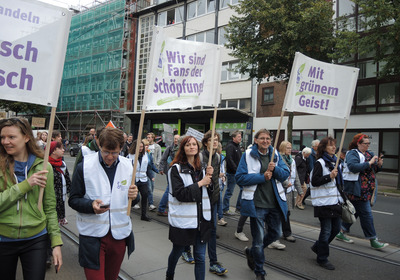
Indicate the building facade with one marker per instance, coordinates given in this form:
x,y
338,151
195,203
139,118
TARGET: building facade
x,y
200,21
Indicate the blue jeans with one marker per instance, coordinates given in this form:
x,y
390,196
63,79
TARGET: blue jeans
x,y
363,210
219,203
261,239
199,251
212,243
230,186
330,227
151,187
164,200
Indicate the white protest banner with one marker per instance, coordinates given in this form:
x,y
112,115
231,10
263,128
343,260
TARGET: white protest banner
x,y
320,88
33,42
195,133
182,74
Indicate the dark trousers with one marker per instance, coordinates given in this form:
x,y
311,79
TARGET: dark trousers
x,y
144,193
32,254
286,229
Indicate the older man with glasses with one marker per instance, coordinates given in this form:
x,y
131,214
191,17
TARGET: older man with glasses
x,y
263,197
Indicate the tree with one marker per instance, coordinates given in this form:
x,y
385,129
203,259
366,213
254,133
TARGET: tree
x,y
376,33
266,34
20,107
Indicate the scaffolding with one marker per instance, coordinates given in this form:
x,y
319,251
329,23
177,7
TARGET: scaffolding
x,y
93,87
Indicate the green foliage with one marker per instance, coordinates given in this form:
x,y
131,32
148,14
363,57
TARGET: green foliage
x,y
20,107
378,34
266,34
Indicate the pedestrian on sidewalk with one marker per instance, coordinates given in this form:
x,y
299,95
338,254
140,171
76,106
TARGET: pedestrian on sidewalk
x,y
263,197
360,168
99,193
326,199
24,230
189,212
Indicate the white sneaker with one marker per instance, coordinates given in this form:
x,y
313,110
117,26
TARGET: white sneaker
x,y
221,222
276,245
152,207
137,206
241,236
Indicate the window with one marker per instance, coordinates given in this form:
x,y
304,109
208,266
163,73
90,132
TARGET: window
x,y
304,138
367,70
210,6
268,95
207,36
191,10
228,72
221,36
179,14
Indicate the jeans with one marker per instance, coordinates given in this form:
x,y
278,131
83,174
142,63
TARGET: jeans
x,y
150,183
286,229
261,239
330,227
230,186
143,189
363,210
32,255
164,200
212,243
199,251
219,203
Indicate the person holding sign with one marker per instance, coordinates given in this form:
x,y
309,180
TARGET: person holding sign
x,y
359,184
263,197
326,199
24,230
189,212
101,186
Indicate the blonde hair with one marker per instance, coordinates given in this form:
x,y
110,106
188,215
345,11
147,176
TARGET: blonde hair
x,y
283,146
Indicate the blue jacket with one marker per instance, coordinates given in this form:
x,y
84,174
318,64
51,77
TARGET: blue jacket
x,y
243,178
355,166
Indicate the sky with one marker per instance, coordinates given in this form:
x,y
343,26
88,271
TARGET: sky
x,y
69,3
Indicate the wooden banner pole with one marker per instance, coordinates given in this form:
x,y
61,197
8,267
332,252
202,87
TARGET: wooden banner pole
x,y
138,141
211,146
47,152
341,144
277,136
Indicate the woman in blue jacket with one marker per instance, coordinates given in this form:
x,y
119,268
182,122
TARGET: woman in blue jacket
x,y
359,184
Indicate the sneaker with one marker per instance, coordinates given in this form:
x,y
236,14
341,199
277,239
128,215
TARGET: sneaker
x,y
342,237
187,257
301,207
250,259
276,245
260,277
221,222
152,207
290,238
136,206
165,213
229,213
327,265
375,244
218,269
241,236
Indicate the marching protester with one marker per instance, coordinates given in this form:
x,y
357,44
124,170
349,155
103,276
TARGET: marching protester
x,y
189,212
155,152
91,148
361,166
215,266
143,168
24,231
326,199
263,197
290,185
302,166
311,161
99,193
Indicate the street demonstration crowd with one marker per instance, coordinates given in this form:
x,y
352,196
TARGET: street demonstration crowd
x,y
101,191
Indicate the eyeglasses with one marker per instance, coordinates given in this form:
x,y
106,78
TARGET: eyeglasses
x,y
264,139
106,154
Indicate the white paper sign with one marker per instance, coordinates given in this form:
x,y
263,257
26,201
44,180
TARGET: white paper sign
x,y
320,88
33,42
195,133
182,74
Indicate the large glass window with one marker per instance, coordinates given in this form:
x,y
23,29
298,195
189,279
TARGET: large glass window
x,y
221,36
366,95
268,95
389,93
367,70
201,7
228,72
